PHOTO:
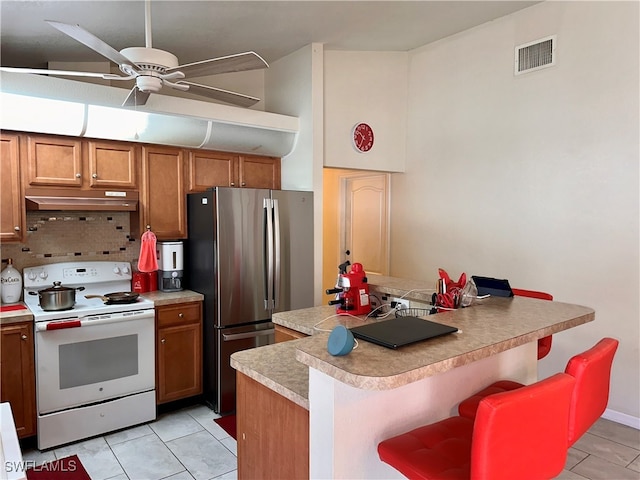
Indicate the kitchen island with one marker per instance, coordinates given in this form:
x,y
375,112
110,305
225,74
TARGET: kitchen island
x,y
354,402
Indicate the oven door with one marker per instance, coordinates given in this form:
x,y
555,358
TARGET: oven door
x,y
93,359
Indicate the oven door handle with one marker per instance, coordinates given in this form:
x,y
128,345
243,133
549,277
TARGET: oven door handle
x,y
93,321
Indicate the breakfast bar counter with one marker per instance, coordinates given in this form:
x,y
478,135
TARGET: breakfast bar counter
x,y
353,402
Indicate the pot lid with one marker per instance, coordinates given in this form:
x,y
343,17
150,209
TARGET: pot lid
x,y
57,287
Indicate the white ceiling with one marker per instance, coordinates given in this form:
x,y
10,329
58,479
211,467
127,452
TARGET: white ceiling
x,y
198,30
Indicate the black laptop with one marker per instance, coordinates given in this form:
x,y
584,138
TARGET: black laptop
x,y
401,331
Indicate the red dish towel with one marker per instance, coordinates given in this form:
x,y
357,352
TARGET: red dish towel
x,y
148,262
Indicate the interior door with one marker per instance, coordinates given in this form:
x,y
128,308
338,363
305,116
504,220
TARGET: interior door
x,y
365,225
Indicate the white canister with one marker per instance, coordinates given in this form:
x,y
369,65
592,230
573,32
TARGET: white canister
x,y
11,283
170,256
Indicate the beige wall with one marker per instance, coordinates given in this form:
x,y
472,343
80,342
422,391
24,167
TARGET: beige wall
x,y
368,87
532,178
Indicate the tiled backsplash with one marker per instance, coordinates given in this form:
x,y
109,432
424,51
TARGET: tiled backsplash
x,y
54,237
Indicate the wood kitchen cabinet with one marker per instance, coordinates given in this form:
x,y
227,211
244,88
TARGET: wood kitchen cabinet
x,y
178,351
284,334
220,169
162,196
17,375
83,164
259,172
13,215
270,425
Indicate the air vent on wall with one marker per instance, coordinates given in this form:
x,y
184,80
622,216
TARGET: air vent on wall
x,y
535,55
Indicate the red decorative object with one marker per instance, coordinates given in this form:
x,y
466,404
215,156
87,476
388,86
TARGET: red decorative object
x,y
362,137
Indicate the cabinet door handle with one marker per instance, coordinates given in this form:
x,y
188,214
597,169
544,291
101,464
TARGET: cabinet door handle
x,y
95,175
233,184
24,337
243,184
162,341
78,175
181,315
17,229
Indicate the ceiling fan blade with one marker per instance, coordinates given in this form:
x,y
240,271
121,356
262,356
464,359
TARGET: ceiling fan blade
x,y
222,95
81,35
136,98
44,71
231,63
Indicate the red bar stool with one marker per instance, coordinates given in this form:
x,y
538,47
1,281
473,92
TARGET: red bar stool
x,y
544,344
517,434
592,371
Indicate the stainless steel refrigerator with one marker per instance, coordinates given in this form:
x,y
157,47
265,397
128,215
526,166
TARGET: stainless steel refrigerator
x,y
250,252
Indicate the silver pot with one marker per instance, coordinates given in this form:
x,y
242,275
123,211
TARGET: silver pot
x,y
57,297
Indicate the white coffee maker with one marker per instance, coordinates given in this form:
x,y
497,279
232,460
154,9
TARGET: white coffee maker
x,y
170,264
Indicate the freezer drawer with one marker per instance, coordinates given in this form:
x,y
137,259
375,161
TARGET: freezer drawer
x,y
235,339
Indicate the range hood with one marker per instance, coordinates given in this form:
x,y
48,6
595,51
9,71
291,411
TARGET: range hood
x,y
63,199
42,104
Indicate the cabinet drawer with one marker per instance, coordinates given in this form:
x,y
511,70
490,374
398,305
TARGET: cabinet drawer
x,y
179,314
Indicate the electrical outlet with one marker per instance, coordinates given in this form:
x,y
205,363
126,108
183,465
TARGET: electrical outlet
x,y
400,303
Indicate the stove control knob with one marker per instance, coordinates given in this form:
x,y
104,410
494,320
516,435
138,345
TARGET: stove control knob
x,y
32,276
44,275
125,270
116,270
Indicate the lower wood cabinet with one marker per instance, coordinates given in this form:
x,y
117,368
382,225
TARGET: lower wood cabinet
x,y
178,351
17,375
272,431
284,334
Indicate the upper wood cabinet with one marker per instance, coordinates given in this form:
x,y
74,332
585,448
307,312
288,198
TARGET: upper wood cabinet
x,y
211,169
112,165
259,172
162,196
12,216
70,162
219,169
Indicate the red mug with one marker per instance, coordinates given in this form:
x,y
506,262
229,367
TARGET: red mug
x,y
140,282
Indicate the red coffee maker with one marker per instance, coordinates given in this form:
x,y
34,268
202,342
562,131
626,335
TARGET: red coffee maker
x,y
351,290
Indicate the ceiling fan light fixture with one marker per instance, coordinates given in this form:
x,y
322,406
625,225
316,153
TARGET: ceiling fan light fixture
x,y
149,83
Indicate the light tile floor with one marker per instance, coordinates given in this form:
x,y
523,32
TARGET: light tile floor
x,y
187,444
182,445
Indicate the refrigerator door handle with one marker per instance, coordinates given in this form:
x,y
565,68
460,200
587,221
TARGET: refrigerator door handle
x,y
241,336
268,206
276,254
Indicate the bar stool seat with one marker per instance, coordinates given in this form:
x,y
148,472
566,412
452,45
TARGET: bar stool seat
x,y
516,434
592,371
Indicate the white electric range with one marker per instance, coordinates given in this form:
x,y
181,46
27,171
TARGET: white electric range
x,y
95,363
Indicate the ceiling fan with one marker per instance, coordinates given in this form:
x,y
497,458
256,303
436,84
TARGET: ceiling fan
x,y
153,69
